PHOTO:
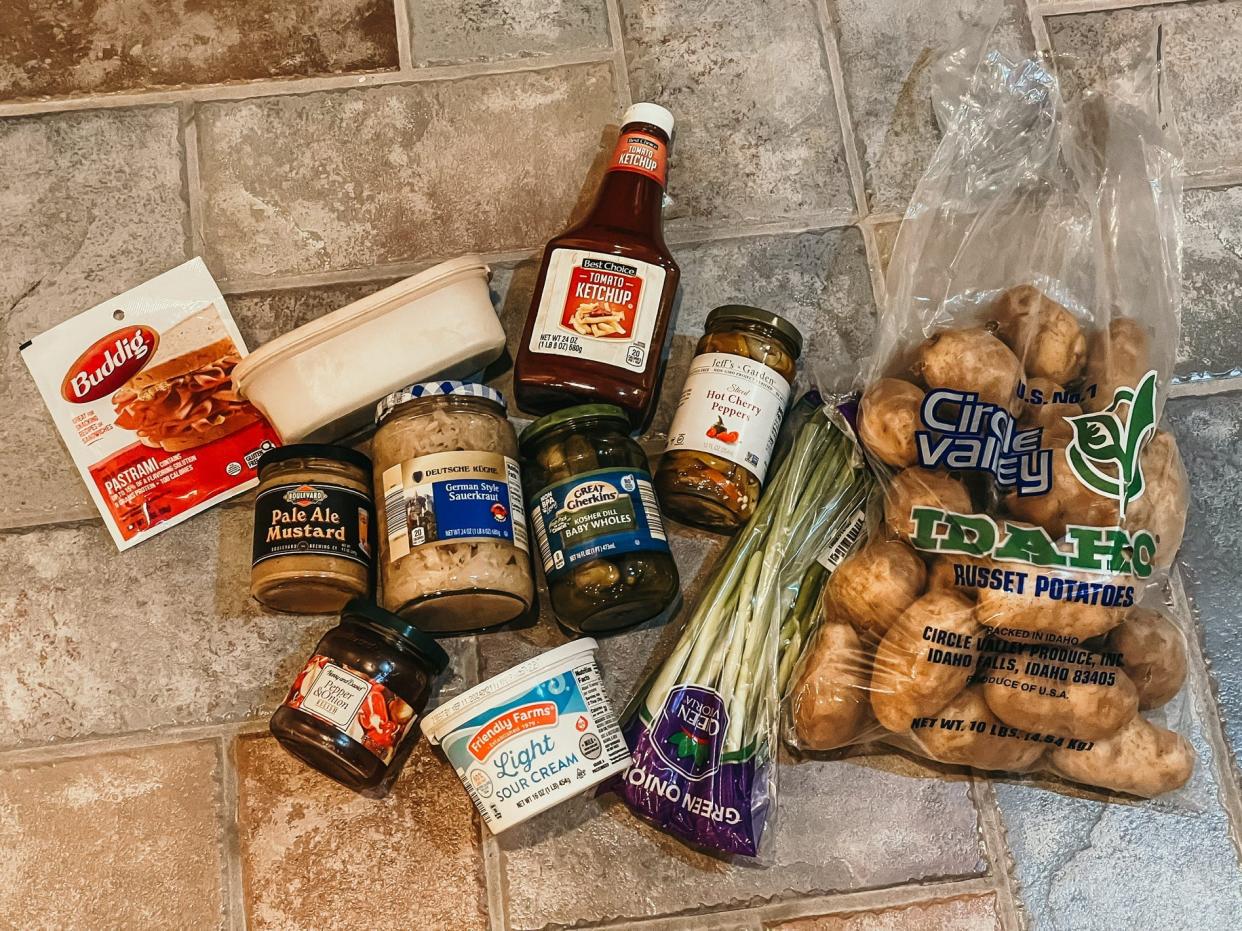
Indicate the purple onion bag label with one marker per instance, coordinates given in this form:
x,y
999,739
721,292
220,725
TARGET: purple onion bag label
x,y
683,782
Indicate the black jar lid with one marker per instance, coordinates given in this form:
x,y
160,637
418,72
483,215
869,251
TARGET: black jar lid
x,y
316,451
366,610
744,313
572,415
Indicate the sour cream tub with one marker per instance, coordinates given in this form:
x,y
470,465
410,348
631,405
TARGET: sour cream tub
x,y
533,736
320,382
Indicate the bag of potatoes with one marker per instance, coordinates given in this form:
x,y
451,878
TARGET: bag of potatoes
x,y
1010,609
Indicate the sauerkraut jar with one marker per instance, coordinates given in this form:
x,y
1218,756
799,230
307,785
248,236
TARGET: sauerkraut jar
x,y
453,547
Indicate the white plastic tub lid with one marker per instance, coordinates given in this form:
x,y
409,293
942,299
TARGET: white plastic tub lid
x,y
524,675
351,315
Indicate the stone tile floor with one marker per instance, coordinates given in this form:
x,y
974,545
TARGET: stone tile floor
x,y
313,152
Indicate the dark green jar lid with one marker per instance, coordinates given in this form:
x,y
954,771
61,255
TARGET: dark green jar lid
x,y
364,609
571,416
744,313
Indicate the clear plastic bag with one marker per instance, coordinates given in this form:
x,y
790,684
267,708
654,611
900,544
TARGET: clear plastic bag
x,y
1007,612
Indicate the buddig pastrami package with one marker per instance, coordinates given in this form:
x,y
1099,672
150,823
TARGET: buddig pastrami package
x,y
141,389
1010,610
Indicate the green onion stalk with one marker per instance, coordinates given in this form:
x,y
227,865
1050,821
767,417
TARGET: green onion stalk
x,y
701,735
756,615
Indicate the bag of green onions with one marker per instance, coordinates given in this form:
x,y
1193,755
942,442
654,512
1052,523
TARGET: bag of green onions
x,y
704,730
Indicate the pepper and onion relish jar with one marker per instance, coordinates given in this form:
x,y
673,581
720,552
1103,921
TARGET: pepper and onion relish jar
x,y
352,710
313,547
596,521
728,417
453,550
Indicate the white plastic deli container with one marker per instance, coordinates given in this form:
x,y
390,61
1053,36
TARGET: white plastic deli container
x,y
533,736
320,382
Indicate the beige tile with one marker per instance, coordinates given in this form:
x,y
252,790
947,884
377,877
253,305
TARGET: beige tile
x,y
76,47
90,204
757,136
122,840
1200,50
964,913
351,179
94,641
888,53
317,855
452,31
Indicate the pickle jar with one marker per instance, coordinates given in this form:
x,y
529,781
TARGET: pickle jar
x,y
728,417
352,712
313,547
595,518
453,550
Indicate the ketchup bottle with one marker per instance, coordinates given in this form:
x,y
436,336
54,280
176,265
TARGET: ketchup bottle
x,y
597,322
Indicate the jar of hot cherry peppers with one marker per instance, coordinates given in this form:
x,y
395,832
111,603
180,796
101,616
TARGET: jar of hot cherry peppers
x,y
352,710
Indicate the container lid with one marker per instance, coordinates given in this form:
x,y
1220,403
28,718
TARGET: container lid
x,y
431,389
743,313
315,451
651,113
426,647
550,422
522,676
351,315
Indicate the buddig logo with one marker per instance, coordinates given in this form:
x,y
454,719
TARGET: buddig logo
x,y
969,435
1104,452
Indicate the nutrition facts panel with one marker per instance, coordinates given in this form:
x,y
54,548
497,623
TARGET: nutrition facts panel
x,y
591,685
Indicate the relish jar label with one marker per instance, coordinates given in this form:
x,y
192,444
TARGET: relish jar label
x,y
454,497
599,307
356,705
608,512
312,519
730,407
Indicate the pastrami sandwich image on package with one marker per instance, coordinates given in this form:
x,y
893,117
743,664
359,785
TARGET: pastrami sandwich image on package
x,y
141,389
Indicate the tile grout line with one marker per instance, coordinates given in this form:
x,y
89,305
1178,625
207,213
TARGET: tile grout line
x,y
193,175
1204,694
1039,28
876,899
292,87
862,900
875,267
616,42
1219,175
493,879
1206,387
687,236
76,748
830,39
1000,857
231,835
405,36
493,867
1066,7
